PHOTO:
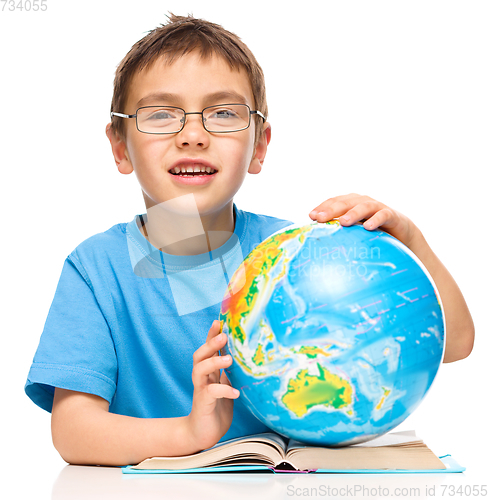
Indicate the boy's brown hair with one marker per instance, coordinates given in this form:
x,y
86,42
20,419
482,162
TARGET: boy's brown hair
x,y
180,36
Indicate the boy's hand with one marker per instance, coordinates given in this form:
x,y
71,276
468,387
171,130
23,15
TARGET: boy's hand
x,y
212,407
352,208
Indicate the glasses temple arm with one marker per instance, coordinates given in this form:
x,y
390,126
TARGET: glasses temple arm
x,y
259,113
121,115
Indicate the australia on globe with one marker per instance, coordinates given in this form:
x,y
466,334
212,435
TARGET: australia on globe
x,y
336,332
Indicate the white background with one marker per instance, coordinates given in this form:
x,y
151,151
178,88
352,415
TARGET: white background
x,y
396,105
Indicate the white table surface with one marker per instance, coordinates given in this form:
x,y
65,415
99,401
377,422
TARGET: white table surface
x,y
78,482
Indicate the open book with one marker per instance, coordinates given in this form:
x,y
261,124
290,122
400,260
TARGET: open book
x,y
394,451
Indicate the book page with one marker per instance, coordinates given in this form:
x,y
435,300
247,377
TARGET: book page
x,y
390,439
397,450
379,457
277,440
266,449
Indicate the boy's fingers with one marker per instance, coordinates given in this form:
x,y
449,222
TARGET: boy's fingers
x,y
215,342
208,367
224,378
337,206
385,217
219,391
209,349
327,204
214,329
361,211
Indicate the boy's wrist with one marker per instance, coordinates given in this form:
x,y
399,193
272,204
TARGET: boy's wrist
x,y
175,440
184,438
187,436
192,436
418,244
198,436
193,443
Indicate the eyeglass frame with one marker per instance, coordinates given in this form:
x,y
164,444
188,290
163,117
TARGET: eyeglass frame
x,y
201,113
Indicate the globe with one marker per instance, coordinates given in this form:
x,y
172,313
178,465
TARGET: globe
x,y
336,333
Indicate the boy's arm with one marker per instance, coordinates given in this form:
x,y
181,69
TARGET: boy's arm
x,y
353,208
459,324
84,432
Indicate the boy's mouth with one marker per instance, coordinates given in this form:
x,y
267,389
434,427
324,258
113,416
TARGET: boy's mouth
x,y
192,170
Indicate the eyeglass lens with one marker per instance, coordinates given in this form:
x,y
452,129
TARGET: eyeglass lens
x,y
167,119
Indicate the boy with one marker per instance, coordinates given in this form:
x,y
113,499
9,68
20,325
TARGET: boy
x,y
114,364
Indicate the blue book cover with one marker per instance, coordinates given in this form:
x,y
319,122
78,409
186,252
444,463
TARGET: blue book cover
x,y
450,463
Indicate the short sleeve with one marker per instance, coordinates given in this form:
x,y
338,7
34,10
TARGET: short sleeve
x,y
76,350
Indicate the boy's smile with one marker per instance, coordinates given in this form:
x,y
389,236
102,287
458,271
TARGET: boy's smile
x,y
211,166
193,171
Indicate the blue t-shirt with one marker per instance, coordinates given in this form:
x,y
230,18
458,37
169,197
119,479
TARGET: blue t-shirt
x,y
126,319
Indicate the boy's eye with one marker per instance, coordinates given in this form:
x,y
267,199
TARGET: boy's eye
x,y
162,114
223,113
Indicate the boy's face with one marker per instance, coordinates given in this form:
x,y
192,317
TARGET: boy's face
x,y
192,84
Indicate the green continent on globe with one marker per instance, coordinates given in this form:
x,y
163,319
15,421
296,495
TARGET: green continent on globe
x,y
259,356
312,351
325,389
247,278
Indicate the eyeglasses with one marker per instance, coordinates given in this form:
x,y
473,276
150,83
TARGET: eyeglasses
x,y
219,119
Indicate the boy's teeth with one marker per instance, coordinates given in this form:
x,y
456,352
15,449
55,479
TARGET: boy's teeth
x,y
192,170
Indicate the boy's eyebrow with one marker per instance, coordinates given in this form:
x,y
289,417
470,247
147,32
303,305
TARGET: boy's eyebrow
x,y
226,96
157,96
222,97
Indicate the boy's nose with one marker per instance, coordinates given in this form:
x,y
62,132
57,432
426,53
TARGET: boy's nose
x,y
193,132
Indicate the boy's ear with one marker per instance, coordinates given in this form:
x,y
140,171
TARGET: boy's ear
x,y
261,149
119,151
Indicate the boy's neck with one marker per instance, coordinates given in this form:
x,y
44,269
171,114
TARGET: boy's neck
x,y
178,233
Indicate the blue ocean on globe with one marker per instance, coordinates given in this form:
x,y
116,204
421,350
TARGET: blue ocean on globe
x,y
336,333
